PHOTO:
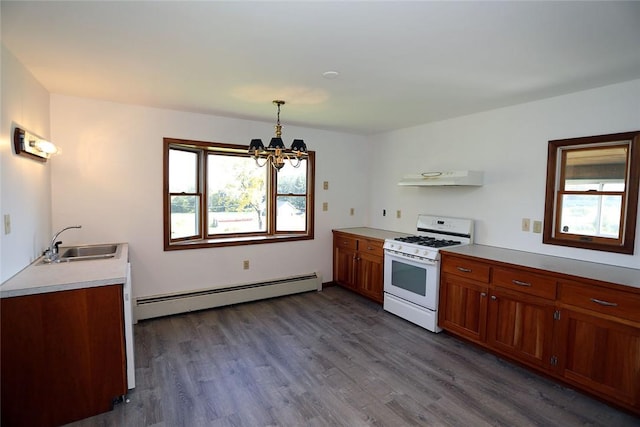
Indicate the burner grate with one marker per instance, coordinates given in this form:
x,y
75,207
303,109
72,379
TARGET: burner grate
x,y
431,242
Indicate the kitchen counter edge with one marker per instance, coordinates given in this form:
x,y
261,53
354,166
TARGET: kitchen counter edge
x,y
372,233
37,279
606,273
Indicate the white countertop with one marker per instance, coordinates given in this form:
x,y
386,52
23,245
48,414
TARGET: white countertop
x,y
374,233
39,278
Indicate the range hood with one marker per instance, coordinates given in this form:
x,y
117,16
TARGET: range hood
x,y
471,178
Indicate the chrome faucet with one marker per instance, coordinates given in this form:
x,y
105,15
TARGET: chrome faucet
x,y
51,254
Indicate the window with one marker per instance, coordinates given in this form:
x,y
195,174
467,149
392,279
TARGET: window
x,y
216,195
592,192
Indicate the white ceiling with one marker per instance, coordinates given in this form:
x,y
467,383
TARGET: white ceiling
x,y
400,63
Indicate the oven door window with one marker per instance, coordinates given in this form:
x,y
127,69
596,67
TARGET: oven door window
x,y
409,277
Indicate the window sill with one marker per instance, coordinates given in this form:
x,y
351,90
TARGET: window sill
x,y
235,241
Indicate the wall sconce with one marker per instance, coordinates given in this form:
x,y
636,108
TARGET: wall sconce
x,y
30,145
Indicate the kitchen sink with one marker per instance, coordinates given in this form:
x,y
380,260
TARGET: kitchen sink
x,y
86,253
89,251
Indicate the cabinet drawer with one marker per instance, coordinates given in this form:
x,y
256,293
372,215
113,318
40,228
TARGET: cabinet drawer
x,y
621,304
373,247
523,281
345,242
462,267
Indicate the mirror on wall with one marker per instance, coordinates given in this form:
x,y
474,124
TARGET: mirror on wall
x,y
592,192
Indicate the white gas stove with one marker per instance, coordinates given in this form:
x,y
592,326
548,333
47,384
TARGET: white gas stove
x,y
412,270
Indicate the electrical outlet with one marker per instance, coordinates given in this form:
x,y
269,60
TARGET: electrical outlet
x,y
245,264
398,214
325,185
7,224
526,224
537,226
352,211
325,206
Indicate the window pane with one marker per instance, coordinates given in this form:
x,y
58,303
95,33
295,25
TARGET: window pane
x,y
183,171
237,195
184,216
291,213
591,215
596,165
293,180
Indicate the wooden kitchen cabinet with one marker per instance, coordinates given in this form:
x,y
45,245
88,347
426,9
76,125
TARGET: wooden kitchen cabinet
x,y
358,264
521,315
63,355
344,260
601,350
521,326
463,298
583,333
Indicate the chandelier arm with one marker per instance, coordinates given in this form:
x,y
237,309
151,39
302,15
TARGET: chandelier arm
x,y
266,160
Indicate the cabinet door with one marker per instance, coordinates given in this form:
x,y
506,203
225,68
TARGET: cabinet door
x,y
521,326
463,307
344,270
601,355
370,276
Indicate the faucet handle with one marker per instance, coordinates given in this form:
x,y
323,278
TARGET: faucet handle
x,y
56,248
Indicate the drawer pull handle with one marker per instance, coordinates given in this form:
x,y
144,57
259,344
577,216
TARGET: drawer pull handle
x,y
464,270
369,248
605,303
519,283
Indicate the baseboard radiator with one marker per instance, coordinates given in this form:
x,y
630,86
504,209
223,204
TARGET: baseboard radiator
x,y
167,304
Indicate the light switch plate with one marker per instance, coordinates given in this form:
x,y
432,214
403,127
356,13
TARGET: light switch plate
x,y
537,226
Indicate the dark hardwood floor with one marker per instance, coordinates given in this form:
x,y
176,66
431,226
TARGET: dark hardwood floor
x,y
331,358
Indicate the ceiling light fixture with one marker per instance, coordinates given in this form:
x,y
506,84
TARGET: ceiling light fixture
x,y
30,145
276,153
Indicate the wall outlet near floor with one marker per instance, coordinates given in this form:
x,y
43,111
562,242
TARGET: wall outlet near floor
x,y
526,224
352,211
245,264
7,224
398,214
325,206
537,226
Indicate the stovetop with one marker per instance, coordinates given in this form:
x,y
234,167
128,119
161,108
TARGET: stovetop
x,y
431,242
435,232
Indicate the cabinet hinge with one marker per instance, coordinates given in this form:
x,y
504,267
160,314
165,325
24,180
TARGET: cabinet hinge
x,y
556,315
554,361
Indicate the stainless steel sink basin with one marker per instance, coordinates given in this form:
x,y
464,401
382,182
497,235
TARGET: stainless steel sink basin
x,y
89,251
85,253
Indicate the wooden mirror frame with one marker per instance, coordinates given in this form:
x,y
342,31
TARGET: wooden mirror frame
x,y
632,186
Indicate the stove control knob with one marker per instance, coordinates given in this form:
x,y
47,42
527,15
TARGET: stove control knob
x,y
417,251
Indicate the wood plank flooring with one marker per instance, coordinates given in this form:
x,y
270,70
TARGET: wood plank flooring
x,y
331,358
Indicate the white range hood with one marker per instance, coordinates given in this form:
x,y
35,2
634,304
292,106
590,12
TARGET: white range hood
x,y
471,178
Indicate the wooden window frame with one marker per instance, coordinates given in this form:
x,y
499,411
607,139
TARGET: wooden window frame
x,y
204,240
629,211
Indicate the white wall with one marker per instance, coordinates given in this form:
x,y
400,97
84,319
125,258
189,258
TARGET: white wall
x,y
109,179
510,146
25,189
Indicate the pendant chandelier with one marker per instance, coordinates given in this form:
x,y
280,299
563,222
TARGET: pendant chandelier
x,y
276,153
